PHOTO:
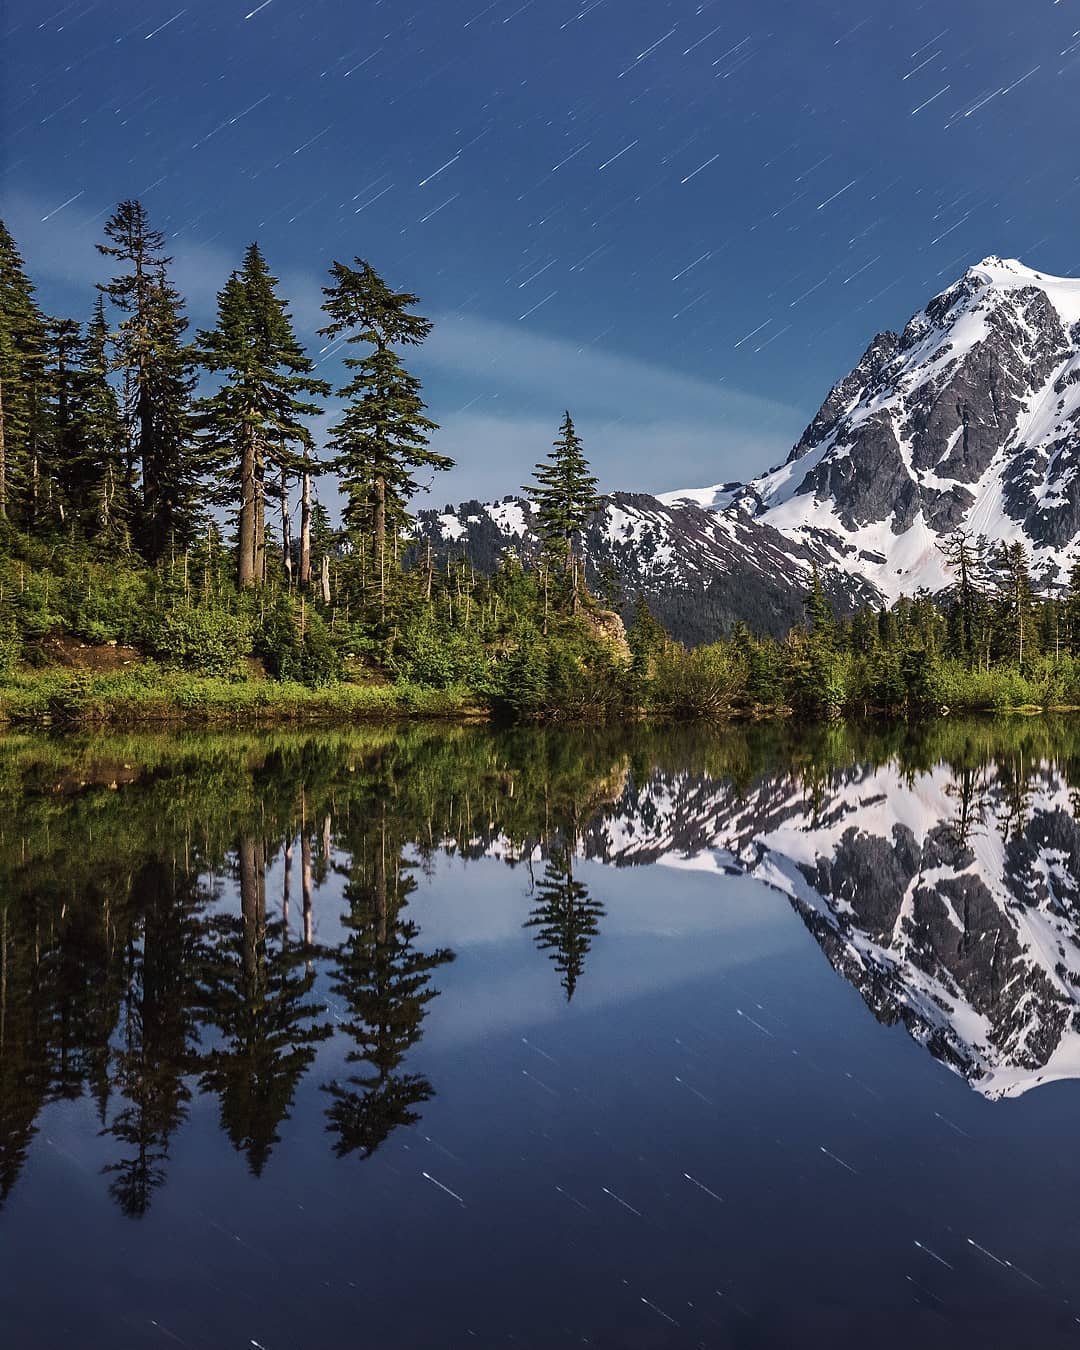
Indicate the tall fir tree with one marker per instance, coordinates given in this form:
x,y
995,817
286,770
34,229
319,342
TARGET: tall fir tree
x,y
820,620
1015,605
22,361
255,422
157,1044
564,491
383,436
566,918
966,557
256,997
158,381
383,980
59,473
101,439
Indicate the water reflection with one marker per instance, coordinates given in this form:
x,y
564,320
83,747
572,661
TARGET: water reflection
x,y
384,981
565,916
150,950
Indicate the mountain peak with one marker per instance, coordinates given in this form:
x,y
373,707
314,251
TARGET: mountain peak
x,y
992,263
1010,274
967,419
971,419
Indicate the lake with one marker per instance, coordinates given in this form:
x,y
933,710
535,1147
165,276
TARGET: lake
x,y
448,1036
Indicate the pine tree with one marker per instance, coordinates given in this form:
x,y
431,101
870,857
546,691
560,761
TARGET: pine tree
x,y
1072,611
820,622
1015,604
966,558
646,638
254,421
256,996
317,540
383,436
384,983
158,377
101,438
22,345
564,492
156,1046
863,635
58,476
566,918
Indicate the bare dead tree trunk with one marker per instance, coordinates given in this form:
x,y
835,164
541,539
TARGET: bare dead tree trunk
x,y
246,546
286,885
286,526
3,459
380,538
380,885
305,522
305,893
324,576
260,517
252,904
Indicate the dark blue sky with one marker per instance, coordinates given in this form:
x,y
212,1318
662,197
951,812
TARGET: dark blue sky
x,y
683,220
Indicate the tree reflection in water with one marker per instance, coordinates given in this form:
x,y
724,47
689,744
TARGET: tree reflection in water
x,y
143,960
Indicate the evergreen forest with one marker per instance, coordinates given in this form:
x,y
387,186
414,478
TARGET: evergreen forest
x,y
165,555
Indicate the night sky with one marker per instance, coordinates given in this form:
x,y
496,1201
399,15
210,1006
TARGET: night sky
x,y
681,220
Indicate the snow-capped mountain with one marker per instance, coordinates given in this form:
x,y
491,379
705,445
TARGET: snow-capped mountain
x,y
950,901
702,569
968,419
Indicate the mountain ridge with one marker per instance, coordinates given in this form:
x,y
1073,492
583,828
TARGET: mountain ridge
x,y
968,418
949,900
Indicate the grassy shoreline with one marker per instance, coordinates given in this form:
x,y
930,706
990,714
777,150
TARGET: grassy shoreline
x,y
65,699
149,696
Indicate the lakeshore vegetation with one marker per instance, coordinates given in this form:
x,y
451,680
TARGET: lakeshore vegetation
x,y
164,554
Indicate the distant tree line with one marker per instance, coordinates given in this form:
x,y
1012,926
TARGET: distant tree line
x,y
988,640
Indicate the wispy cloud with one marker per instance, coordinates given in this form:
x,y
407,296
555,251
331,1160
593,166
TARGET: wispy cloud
x,y
61,254
496,452
646,426
589,378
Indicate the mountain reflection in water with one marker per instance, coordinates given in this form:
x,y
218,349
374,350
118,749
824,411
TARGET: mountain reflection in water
x,y
164,930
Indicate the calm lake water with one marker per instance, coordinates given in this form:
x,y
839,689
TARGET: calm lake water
x,y
454,1037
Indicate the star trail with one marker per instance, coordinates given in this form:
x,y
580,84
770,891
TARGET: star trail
x,y
680,175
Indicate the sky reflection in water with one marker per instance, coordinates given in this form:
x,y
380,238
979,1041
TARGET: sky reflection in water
x,y
452,1037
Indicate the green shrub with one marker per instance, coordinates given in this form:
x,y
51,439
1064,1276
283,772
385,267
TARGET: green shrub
x,y
704,682
313,659
11,649
204,640
568,674
101,606
428,653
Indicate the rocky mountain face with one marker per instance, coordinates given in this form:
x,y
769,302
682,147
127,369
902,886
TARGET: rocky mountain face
x,y
969,418
701,570
950,900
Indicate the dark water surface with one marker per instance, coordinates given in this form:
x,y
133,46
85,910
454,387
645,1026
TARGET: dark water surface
x,y
456,1037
